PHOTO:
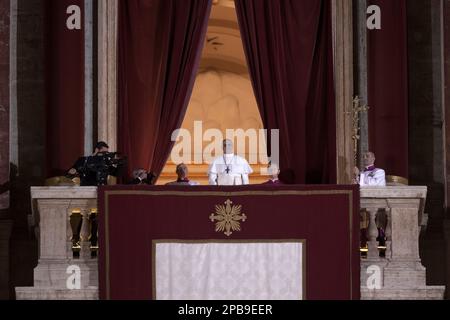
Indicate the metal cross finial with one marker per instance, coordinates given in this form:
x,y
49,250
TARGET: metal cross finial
x,y
356,111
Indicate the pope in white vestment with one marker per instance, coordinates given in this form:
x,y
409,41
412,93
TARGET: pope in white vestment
x,y
229,169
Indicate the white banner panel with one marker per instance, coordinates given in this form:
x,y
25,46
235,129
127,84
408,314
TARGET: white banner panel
x,y
229,271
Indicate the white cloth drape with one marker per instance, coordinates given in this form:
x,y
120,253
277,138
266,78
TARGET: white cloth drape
x,y
229,271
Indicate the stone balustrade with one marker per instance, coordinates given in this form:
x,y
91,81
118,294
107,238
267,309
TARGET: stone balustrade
x,y
399,267
397,273
61,259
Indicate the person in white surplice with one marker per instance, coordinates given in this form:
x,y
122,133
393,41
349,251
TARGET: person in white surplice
x,y
229,169
371,176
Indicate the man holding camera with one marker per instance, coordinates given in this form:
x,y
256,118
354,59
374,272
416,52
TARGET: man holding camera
x,y
94,170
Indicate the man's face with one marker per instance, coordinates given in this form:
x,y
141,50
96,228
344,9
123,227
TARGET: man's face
x,y
227,147
368,159
101,150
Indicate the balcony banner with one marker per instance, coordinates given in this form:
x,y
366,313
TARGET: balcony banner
x,y
247,242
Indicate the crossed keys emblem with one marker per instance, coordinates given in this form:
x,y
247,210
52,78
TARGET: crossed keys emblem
x,y
228,218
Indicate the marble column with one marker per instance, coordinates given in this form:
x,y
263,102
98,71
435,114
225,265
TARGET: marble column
x,y
107,71
342,12
88,76
360,74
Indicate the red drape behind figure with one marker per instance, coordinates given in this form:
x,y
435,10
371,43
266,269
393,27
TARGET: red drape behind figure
x,y
288,45
160,43
64,50
388,88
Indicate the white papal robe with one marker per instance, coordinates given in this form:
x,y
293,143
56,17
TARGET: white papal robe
x,y
229,164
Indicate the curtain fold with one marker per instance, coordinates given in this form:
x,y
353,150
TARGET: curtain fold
x,y
64,87
387,82
288,46
160,43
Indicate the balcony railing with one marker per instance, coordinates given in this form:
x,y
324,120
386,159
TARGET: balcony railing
x,y
391,267
64,221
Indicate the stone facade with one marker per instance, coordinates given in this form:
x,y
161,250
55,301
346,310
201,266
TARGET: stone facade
x,y
429,135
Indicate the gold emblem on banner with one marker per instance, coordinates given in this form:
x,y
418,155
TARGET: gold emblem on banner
x,y
228,218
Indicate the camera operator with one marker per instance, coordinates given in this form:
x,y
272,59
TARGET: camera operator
x,y
95,169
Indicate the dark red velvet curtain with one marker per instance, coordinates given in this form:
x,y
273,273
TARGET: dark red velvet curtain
x,y
388,88
288,44
64,50
160,42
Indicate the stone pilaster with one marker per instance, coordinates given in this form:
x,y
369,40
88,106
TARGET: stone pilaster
x,y
88,76
107,71
5,225
360,72
4,107
446,102
27,129
342,12
446,108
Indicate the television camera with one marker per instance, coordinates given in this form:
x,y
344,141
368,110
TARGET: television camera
x,y
97,168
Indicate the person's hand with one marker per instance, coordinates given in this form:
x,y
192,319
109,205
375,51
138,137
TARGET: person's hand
x,y
356,175
143,175
72,172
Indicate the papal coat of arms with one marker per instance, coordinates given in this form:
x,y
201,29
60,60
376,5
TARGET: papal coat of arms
x,y
228,217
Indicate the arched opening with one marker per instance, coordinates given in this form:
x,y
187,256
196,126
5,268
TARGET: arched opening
x,y
222,99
